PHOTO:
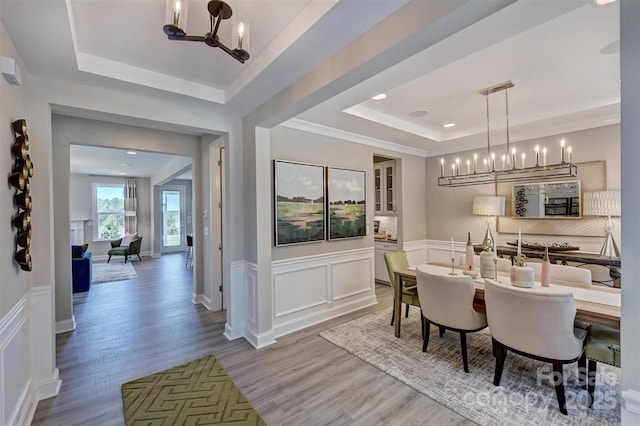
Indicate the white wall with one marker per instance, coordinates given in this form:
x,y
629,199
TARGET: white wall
x,y
27,347
80,208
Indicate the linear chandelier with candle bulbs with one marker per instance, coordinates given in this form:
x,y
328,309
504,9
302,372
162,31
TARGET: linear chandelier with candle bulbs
x,y
510,169
218,10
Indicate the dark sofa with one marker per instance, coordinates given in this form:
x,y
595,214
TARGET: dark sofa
x,y
80,268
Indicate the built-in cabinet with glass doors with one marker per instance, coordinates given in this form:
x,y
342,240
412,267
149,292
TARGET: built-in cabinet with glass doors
x,y
384,175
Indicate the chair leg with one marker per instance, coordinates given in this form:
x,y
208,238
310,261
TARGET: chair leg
x,y
591,380
393,314
441,331
582,371
427,331
126,256
139,258
501,356
422,323
109,259
557,375
406,312
463,347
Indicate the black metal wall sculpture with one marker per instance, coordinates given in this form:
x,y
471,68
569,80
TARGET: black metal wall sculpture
x,y
19,179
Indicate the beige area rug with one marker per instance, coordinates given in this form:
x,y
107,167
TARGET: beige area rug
x,y
521,398
109,272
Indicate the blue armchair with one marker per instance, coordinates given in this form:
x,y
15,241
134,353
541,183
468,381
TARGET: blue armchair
x,y
80,268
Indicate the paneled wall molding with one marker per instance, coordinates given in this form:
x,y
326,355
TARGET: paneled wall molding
x,y
440,251
26,357
312,289
416,251
235,325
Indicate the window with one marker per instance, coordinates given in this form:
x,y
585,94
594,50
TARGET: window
x,y
108,211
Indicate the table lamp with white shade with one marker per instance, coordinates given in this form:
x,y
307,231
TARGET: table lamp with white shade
x,y
488,206
604,203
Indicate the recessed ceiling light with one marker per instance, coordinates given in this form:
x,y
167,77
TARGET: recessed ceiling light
x,y
122,173
448,124
379,97
602,2
131,152
126,165
418,114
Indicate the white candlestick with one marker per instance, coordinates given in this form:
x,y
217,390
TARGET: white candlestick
x,y
544,156
475,163
513,158
569,154
457,166
562,150
493,162
442,167
504,162
484,160
452,254
453,169
524,156
468,166
537,150
519,241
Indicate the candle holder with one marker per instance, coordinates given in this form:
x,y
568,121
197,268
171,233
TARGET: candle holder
x,y
453,260
495,269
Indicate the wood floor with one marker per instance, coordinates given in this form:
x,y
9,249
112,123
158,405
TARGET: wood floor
x,y
129,329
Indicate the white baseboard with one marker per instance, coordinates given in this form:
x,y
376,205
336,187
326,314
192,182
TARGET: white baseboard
x,y
65,326
233,333
630,407
260,340
201,299
49,387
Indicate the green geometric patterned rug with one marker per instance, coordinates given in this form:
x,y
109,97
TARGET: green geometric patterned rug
x,y
197,393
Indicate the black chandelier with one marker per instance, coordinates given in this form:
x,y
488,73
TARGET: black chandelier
x,y
218,10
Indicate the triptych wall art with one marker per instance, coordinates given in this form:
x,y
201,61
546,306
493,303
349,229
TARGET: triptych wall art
x,y
314,203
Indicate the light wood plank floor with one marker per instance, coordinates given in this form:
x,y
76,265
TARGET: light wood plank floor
x,y
129,329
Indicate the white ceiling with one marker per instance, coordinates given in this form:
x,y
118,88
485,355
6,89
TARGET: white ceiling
x,y
92,160
551,50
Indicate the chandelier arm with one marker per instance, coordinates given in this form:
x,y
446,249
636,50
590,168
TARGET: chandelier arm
x,y
506,100
488,137
187,38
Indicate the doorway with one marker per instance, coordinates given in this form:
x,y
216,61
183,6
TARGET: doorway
x,y
173,219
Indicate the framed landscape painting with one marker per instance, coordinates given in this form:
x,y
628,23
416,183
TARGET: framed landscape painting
x,y
299,203
347,206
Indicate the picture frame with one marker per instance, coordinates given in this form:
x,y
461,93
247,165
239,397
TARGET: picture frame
x,y
299,203
346,203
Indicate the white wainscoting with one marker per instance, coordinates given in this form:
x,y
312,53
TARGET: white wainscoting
x,y
312,289
416,251
26,357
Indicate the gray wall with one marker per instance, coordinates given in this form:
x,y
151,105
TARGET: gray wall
x,y
13,106
300,146
80,208
449,209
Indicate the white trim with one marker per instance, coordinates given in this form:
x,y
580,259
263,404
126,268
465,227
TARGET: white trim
x,y
631,401
65,326
260,340
94,205
201,299
319,129
235,325
416,251
327,298
49,387
25,408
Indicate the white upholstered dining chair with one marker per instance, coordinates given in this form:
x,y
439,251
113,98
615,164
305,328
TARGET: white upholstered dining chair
x,y
536,323
447,302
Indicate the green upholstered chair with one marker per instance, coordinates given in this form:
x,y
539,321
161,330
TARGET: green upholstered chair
x,y
130,250
603,345
396,261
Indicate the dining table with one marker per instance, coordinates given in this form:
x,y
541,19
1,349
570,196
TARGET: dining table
x,y
594,304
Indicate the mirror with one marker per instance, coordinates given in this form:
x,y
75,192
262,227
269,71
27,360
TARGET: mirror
x,y
553,200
